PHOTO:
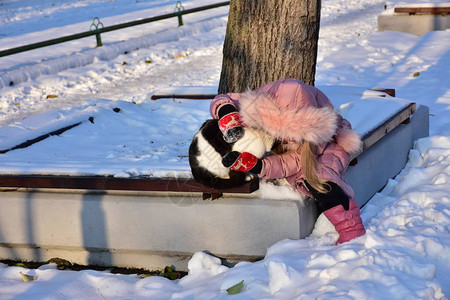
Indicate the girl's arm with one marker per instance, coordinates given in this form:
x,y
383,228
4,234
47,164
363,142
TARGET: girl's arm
x,y
281,165
221,100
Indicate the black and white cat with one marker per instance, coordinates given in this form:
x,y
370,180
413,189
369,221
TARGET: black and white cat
x,y
208,147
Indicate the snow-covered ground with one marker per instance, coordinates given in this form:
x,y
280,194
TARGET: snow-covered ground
x,y
406,251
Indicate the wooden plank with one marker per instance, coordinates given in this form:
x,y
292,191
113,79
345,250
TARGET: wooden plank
x,y
390,92
376,134
182,96
112,183
423,10
28,143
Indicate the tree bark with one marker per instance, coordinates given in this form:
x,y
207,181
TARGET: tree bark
x,y
267,40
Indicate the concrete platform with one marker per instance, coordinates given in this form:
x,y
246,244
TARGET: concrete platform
x,y
150,229
146,230
387,157
417,19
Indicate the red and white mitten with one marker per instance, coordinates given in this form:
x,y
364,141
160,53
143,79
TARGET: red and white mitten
x,y
242,162
230,124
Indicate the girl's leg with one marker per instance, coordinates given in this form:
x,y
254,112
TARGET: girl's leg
x,y
334,197
342,213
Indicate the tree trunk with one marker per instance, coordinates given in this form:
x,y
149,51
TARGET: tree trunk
x,y
267,40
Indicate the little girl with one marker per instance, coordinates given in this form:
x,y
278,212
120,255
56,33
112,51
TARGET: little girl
x,y
316,145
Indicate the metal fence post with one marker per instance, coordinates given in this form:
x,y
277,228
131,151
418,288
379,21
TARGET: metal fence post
x,y
96,26
178,8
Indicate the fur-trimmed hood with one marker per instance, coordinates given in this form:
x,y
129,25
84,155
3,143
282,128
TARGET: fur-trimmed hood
x,y
294,111
297,120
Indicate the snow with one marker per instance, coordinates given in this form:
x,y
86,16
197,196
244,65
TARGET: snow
x,y
406,251
148,151
108,146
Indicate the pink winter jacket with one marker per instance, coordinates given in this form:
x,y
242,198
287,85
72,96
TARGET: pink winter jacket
x,y
292,110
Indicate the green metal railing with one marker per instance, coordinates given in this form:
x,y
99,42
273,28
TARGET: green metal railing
x,y
97,28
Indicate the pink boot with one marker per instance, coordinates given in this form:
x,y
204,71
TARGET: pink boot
x,y
348,223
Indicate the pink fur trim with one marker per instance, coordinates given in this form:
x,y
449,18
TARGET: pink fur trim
x,y
310,123
349,140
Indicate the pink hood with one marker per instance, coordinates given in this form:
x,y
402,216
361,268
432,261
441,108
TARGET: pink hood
x,y
293,111
293,117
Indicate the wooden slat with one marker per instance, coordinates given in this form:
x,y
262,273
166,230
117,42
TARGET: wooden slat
x,y
112,183
42,137
390,92
182,96
423,10
376,134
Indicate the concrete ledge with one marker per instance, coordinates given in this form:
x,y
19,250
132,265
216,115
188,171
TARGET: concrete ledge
x,y
138,229
152,229
419,22
386,158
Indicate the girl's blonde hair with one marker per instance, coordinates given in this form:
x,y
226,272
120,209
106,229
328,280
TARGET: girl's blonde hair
x,y
308,164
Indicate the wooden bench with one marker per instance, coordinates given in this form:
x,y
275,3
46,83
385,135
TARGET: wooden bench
x,y
416,19
154,222
423,10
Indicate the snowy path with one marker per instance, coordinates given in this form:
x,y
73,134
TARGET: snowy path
x,y
191,60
